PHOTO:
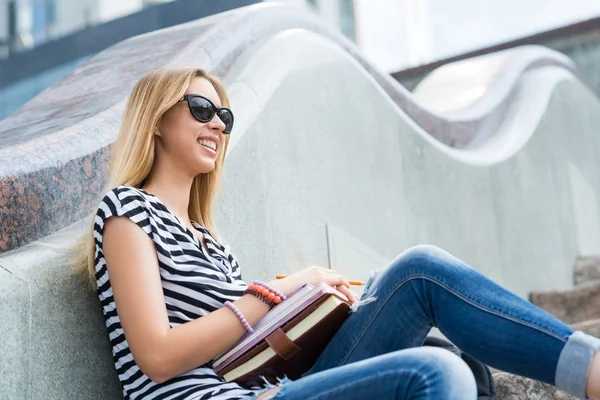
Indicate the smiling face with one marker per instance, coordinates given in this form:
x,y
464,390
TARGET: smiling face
x,y
189,145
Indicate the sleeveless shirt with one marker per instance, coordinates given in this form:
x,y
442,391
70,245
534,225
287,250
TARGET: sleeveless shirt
x,y
194,281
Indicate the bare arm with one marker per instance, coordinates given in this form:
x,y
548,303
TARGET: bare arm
x,y
160,351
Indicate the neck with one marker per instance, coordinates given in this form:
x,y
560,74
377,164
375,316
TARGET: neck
x,y
172,188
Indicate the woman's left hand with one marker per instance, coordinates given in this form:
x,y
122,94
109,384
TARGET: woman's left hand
x,y
352,297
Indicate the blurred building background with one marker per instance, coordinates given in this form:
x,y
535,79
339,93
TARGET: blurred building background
x,y
41,41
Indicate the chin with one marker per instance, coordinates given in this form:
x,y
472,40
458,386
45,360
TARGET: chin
x,y
205,167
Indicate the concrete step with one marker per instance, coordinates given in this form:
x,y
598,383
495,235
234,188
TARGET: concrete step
x,y
572,306
513,387
586,269
591,327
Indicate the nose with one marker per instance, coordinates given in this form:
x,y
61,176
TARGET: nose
x,y
216,123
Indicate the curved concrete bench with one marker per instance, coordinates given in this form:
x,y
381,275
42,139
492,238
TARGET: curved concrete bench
x,y
53,150
307,158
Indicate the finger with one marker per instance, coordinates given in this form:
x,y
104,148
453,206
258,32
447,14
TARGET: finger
x,y
354,296
339,280
351,296
341,290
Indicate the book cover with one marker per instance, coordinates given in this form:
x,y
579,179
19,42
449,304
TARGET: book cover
x,y
308,333
299,306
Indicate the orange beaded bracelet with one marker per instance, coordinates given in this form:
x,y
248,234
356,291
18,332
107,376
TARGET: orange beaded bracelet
x,y
264,294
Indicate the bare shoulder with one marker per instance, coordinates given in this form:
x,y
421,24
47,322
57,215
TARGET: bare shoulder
x,y
125,238
125,243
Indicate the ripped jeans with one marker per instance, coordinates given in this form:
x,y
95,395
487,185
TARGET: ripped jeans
x,y
377,352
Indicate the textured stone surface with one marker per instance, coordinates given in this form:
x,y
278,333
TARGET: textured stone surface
x,y
571,306
591,327
14,331
53,151
505,199
54,343
512,387
587,269
40,202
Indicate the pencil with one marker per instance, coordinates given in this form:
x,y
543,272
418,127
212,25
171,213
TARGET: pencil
x,y
354,283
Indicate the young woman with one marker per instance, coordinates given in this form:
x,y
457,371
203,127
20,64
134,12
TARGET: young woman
x,y
175,298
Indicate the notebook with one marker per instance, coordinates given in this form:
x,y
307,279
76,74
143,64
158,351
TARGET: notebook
x,y
288,340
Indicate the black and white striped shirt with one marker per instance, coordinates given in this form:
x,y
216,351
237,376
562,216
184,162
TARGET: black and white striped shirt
x,y
195,282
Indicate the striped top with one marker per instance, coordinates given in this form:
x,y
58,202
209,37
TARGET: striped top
x,y
195,282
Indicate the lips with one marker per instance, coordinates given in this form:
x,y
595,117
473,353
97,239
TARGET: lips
x,y
209,150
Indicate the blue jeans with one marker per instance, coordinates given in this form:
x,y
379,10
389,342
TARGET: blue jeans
x,y
377,352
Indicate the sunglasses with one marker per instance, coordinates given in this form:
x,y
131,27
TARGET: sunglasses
x,y
203,110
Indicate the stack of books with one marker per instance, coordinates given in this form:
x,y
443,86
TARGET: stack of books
x,y
288,340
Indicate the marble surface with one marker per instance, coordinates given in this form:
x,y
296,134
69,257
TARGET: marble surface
x,y
54,150
513,387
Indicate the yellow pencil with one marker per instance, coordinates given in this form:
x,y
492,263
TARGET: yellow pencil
x,y
354,283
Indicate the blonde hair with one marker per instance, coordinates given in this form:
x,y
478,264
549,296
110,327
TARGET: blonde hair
x,y
133,152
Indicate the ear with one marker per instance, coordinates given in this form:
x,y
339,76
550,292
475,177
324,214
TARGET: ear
x,y
157,133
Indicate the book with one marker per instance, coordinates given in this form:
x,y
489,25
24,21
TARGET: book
x,y
288,340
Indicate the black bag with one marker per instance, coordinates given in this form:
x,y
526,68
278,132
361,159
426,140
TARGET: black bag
x,y
486,388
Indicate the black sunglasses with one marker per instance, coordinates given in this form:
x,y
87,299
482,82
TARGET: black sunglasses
x,y
204,110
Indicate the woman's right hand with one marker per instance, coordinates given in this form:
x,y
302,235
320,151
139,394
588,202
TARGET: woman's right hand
x,y
312,275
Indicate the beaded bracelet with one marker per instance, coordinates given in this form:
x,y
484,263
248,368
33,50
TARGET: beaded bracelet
x,y
261,296
240,316
271,289
265,293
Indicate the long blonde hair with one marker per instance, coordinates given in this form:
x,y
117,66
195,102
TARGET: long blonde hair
x,y
133,152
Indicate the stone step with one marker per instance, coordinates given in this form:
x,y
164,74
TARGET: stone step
x,y
579,304
591,327
513,387
586,269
